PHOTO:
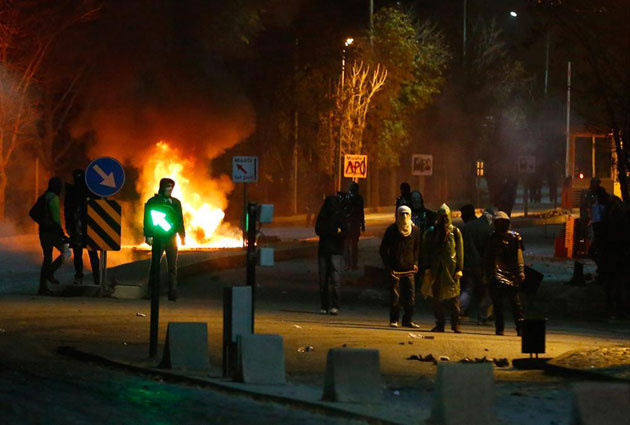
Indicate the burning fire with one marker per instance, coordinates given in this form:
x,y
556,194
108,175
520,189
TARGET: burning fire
x,y
203,199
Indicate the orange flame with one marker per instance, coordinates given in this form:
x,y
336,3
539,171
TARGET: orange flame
x,y
203,199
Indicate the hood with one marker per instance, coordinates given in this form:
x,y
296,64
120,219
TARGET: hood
x,y
444,210
165,182
55,185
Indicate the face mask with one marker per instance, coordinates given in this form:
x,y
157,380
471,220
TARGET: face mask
x,y
404,224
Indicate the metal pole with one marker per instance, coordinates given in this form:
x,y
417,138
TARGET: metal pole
x,y
154,288
251,252
371,22
464,32
547,65
339,160
104,269
568,130
244,215
295,134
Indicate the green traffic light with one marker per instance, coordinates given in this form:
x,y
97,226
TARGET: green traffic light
x,y
159,220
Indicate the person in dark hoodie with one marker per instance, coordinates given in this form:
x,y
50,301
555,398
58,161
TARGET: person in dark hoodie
x,y
505,270
165,240
330,253
400,252
51,235
75,209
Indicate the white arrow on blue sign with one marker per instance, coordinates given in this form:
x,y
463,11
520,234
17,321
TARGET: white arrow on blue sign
x,y
105,176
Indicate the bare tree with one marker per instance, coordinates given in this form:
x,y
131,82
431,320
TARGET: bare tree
x,y
352,102
28,30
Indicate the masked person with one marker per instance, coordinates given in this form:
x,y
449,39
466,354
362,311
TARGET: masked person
x,y
163,240
75,210
443,261
354,224
400,250
475,233
505,270
330,253
46,214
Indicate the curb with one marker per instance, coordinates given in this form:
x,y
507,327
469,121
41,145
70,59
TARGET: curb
x,y
592,375
326,408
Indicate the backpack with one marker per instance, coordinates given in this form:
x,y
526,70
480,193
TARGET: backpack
x,y
39,212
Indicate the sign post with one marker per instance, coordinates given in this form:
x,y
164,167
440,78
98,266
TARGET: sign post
x,y
104,177
244,170
526,166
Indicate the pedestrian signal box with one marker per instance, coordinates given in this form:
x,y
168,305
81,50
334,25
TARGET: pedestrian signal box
x,y
163,219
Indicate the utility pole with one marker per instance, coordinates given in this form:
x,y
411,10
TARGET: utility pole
x,y
371,22
566,163
294,205
547,65
464,31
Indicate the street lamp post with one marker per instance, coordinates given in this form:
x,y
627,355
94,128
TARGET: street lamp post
x,y
347,43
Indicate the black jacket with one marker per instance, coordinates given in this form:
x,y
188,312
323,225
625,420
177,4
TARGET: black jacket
x,y
178,218
329,227
400,253
504,259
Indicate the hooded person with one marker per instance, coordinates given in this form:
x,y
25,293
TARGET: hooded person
x,y
163,238
400,251
505,270
476,233
354,224
51,235
75,211
443,263
330,253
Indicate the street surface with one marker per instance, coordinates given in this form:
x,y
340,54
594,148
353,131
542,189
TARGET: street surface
x,y
40,386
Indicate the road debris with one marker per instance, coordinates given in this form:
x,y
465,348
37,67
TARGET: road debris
x,y
445,359
297,326
420,336
306,349
141,315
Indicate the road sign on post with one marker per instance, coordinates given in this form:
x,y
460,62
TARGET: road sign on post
x,y
422,165
105,176
355,166
103,225
245,169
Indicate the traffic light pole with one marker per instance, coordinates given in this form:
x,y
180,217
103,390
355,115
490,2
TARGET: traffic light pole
x,y
252,210
154,289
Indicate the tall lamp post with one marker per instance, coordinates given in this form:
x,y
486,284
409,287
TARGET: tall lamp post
x,y
347,43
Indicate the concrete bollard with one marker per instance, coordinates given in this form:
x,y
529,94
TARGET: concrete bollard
x,y
237,320
260,359
601,403
451,407
353,375
186,346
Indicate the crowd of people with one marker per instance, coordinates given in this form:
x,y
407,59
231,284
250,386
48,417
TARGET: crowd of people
x,y
482,262
46,212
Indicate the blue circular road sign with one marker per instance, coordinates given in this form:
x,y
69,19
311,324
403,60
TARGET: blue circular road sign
x,y
105,176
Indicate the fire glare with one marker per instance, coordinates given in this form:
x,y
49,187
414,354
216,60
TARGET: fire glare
x,y
203,199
